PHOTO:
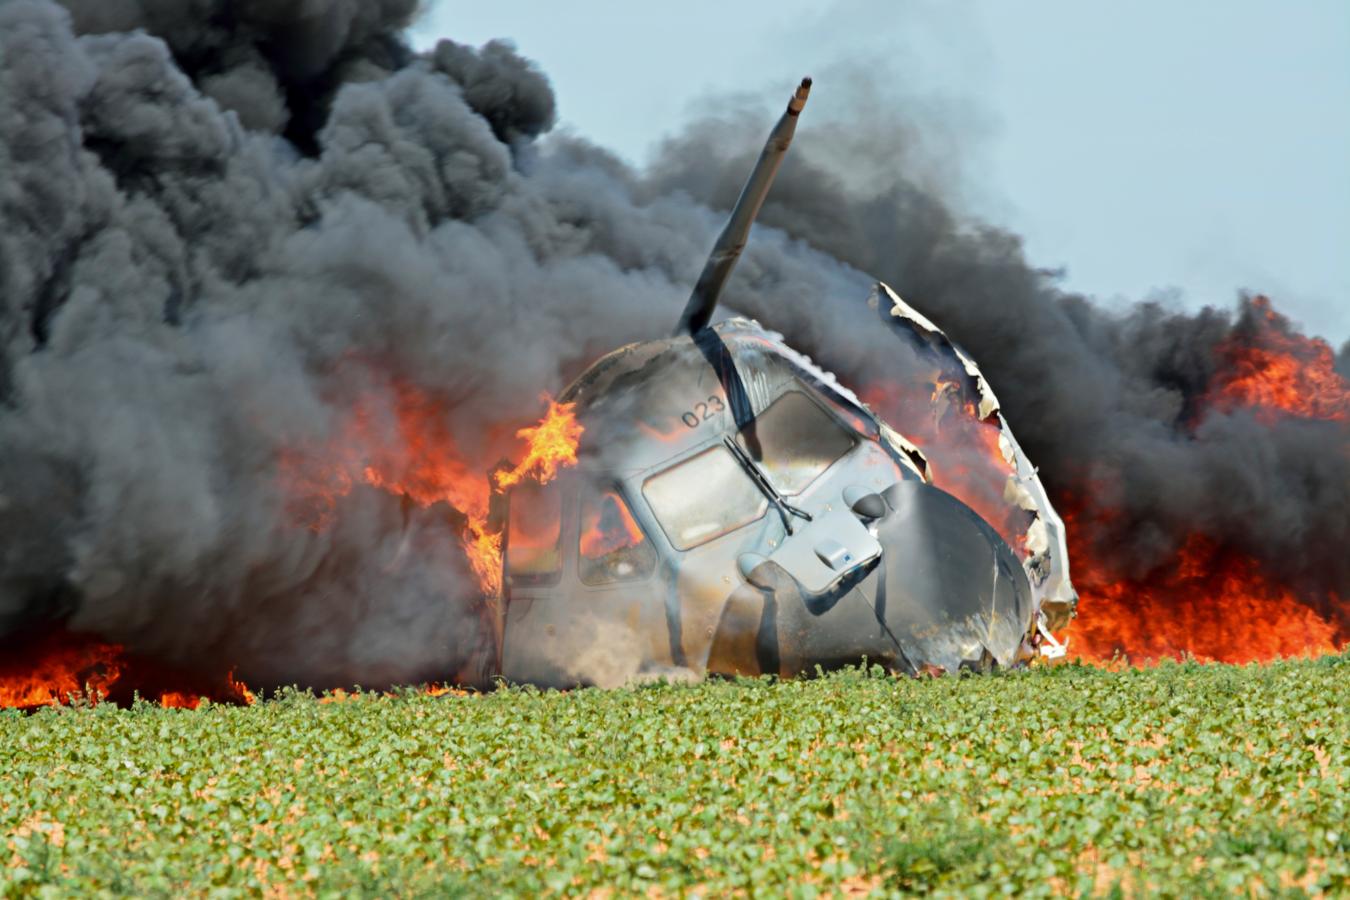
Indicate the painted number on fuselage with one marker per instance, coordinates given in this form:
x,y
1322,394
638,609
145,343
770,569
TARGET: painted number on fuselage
x,y
703,411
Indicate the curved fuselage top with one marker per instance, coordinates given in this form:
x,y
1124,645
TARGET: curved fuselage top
x,y
651,401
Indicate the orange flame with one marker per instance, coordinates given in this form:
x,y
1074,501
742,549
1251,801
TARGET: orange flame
x,y
964,457
58,667
1212,602
553,443
413,454
55,668
1275,372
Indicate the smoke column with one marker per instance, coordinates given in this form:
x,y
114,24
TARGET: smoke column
x,y
218,218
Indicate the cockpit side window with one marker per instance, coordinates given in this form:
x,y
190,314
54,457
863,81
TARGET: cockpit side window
x,y
611,545
794,441
703,497
534,537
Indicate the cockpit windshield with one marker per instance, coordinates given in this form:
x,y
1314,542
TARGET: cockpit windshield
x,y
794,441
703,497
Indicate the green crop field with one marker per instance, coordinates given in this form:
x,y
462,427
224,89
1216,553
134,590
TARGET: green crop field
x,y
1180,780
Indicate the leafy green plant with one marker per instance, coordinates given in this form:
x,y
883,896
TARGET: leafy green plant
x,y
1182,780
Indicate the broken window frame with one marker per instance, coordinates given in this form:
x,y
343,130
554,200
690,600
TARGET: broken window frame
x,y
586,566
533,577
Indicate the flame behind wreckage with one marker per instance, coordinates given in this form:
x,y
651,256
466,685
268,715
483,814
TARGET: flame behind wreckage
x,y
736,510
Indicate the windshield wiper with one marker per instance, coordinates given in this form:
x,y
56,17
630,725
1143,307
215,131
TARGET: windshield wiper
x,y
785,509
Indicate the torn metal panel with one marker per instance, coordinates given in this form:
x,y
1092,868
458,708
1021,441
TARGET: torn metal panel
x,y
910,452
1047,559
902,310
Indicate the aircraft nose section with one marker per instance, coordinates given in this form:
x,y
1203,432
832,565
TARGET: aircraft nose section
x,y
948,588
940,588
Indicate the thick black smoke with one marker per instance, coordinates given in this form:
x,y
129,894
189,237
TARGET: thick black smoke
x,y
214,214
217,218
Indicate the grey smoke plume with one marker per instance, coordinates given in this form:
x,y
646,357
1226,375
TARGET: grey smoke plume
x,y
216,213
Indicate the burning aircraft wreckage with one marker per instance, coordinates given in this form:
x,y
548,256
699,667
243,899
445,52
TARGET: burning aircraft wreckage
x,y
714,502
736,510
290,287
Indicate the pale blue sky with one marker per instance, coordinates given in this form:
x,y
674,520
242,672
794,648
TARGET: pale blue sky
x,y
1144,146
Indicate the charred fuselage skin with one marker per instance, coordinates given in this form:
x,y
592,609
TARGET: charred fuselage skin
x,y
868,561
